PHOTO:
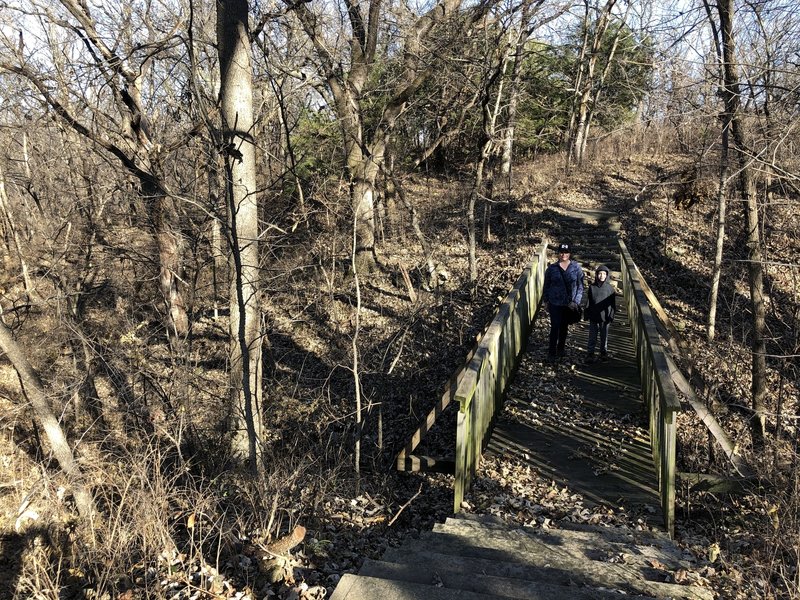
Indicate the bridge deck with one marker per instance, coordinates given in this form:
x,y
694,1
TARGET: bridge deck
x,y
583,425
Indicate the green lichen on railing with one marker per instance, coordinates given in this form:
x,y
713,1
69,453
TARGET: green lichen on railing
x,y
658,389
480,390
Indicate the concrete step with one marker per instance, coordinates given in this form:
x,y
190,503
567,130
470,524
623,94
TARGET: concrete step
x,y
650,537
592,215
555,571
357,587
498,587
618,545
630,559
534,553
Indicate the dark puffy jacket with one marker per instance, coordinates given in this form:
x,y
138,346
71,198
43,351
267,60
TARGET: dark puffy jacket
x,y
555,292
602,302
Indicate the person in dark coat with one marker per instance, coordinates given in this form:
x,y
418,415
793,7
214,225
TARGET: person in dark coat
x,y
602,305
563,292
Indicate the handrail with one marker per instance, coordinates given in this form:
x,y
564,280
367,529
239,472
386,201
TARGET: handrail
x,y
675,344
483,383
658,389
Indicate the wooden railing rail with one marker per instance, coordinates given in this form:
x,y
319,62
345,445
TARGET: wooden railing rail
x,y
658,389
482,384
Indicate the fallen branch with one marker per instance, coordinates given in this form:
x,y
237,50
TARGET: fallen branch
x,y
402,508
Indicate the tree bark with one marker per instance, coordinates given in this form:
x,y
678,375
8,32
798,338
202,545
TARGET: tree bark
x,y
169,241
720,241
236,93
747,187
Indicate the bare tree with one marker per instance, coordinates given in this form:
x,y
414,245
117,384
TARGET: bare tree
x,y
593,33
724,169
346,78
236,95
731,96
128,137
525,29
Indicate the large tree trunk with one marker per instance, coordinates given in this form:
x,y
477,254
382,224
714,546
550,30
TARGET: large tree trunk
x,y
748,189
236,93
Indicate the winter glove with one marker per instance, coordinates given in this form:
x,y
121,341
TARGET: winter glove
x,y
573,306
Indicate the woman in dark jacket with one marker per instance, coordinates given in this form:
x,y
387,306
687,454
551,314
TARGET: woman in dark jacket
x,y
600,312
563,292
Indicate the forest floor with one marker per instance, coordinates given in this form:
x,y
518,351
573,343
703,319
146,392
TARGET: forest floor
x,y
409,347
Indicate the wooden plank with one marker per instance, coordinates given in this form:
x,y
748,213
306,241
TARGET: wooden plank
x,y
427,464
742,468
717,484
676,345
438,409
662,315
657,385
670,447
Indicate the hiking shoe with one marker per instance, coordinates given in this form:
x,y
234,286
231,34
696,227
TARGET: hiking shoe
x,y
604,356
590,359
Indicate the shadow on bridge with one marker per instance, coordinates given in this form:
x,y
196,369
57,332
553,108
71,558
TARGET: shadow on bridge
x,y
582,425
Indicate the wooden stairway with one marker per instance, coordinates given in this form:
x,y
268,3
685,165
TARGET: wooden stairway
x,y
474,558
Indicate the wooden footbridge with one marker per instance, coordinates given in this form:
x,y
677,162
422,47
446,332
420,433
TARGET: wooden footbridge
x,y
589,443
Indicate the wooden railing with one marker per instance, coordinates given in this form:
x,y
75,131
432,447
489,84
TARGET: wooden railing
x,y
482,384
658,389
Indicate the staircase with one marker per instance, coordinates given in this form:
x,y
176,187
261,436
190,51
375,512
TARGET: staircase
x,y
475,558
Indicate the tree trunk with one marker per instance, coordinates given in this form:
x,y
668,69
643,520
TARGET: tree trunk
x,y
473,196
169,242
597,87
513,98
720,242
584,83
364,153
362,192
34,389
748,190
236,93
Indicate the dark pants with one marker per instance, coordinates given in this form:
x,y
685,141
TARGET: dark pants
x,y
558,330
594,329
